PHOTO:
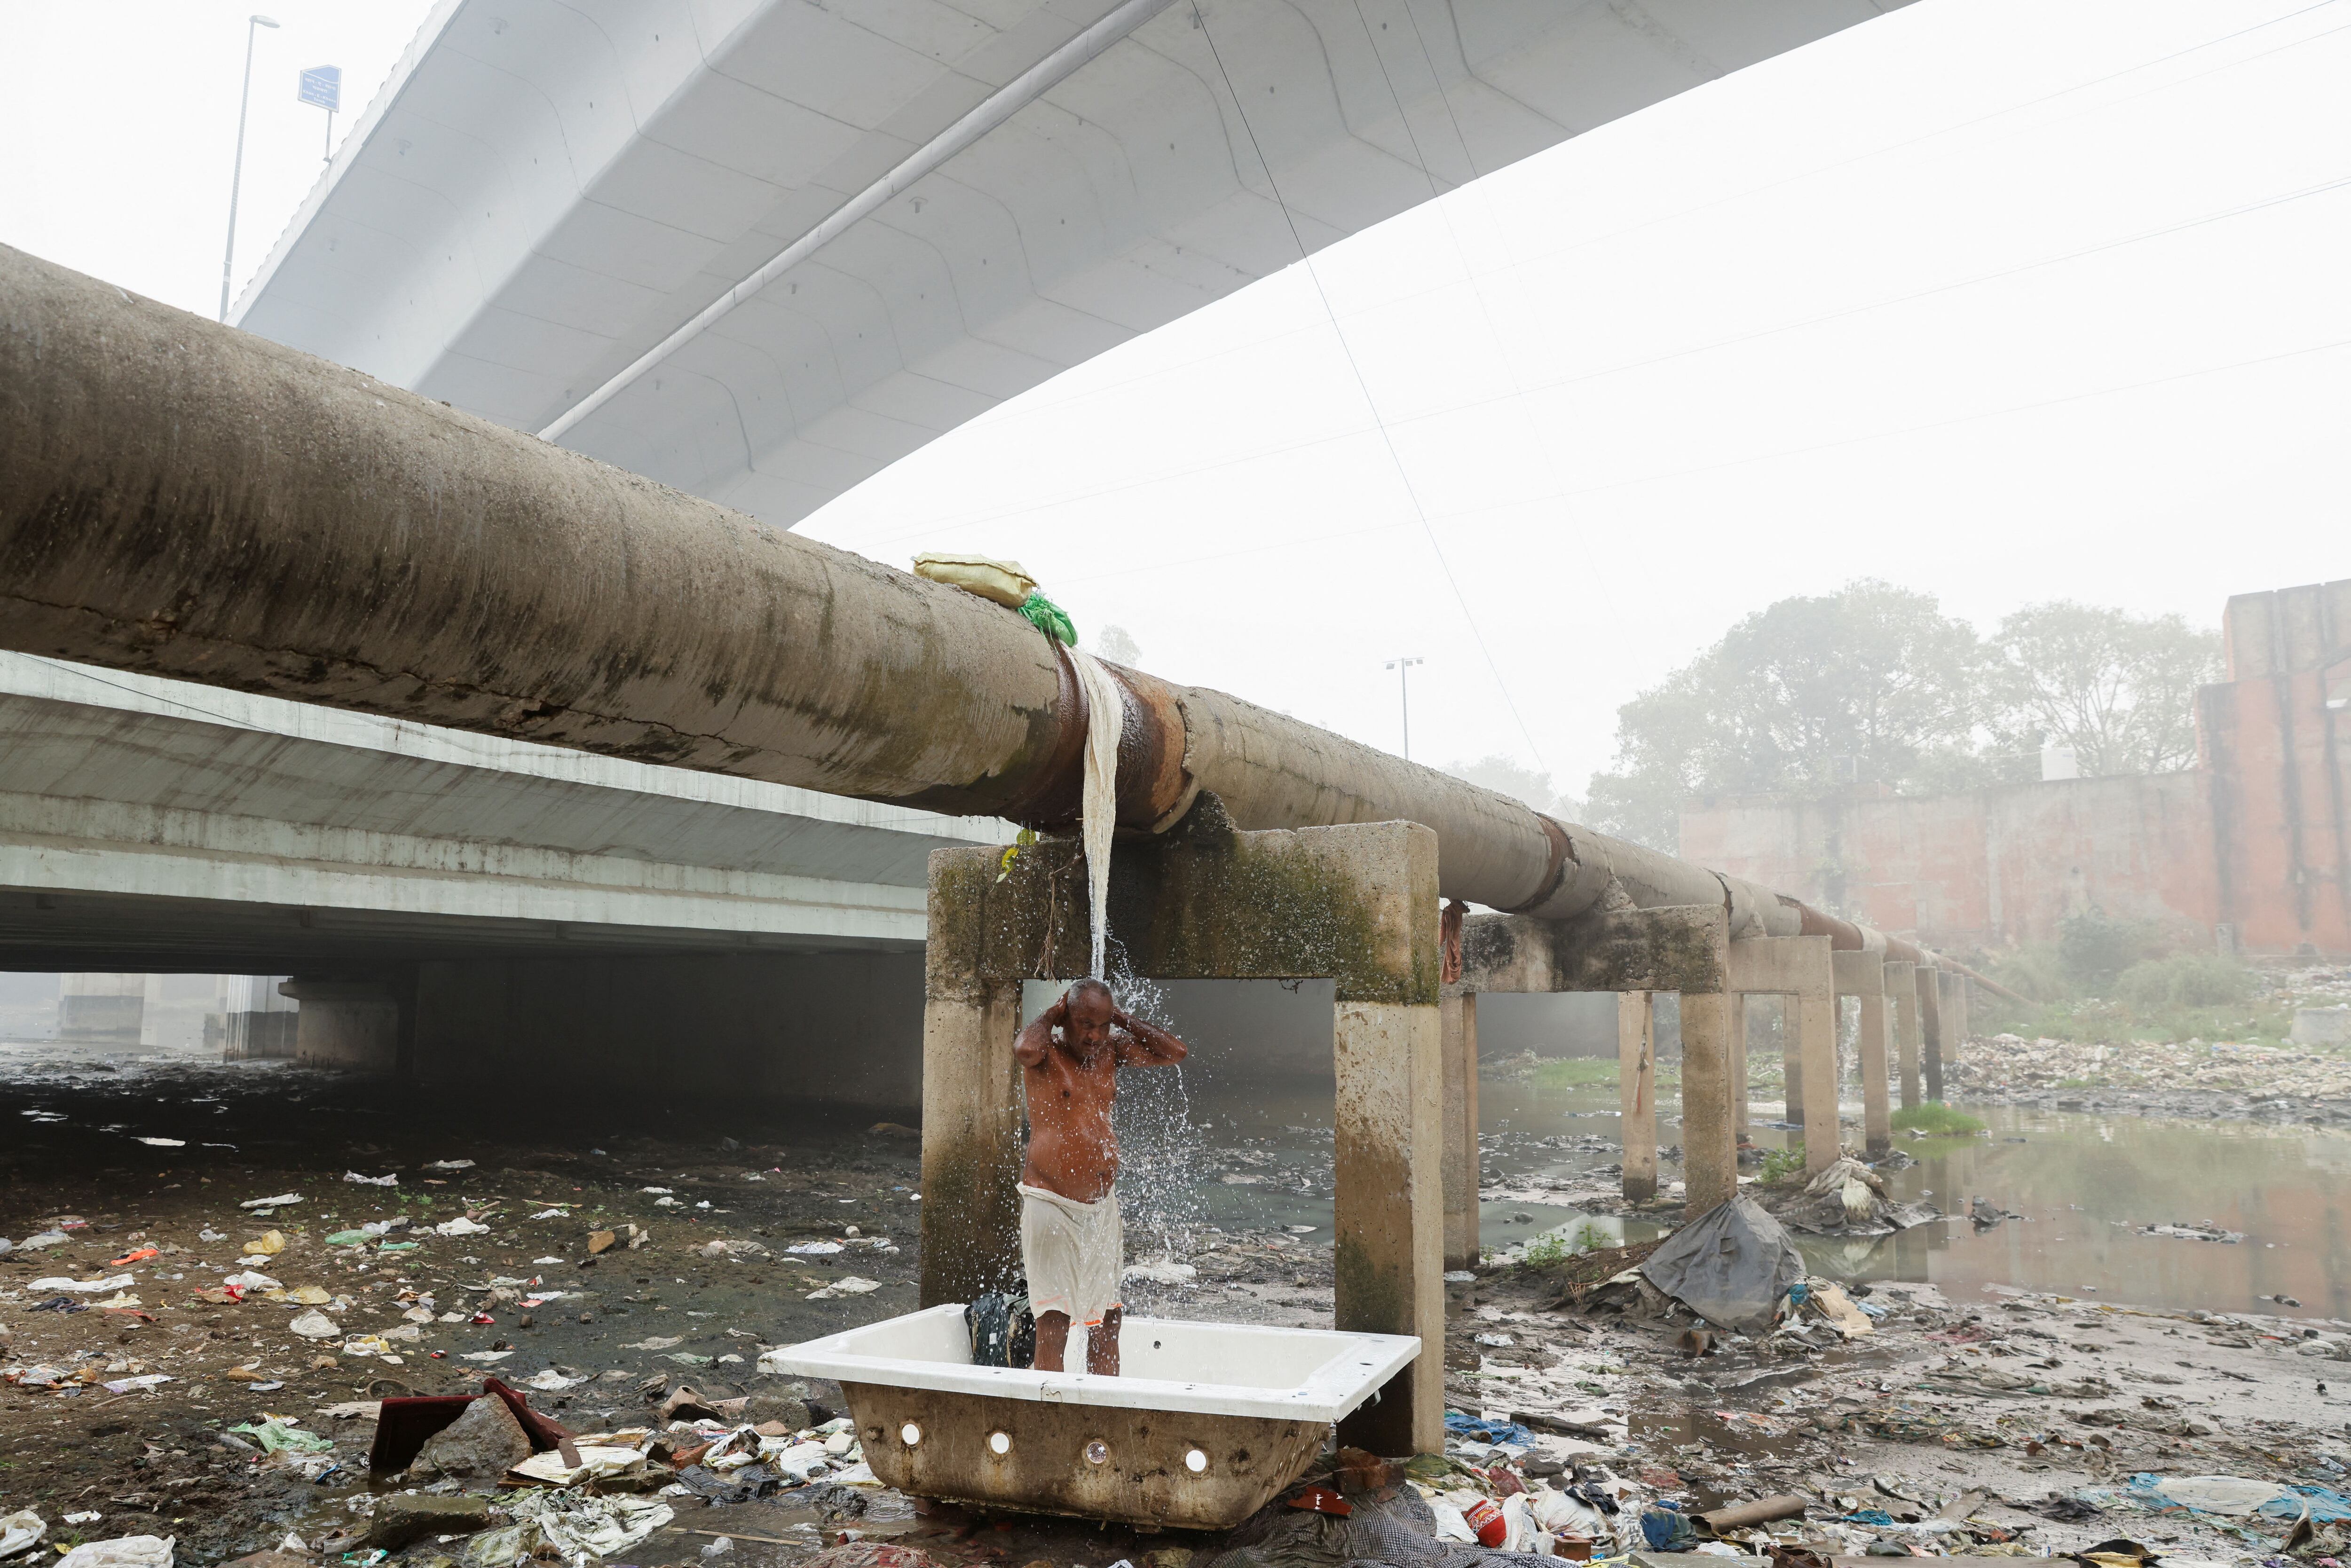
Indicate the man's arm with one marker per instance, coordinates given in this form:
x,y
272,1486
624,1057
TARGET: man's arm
x,y
1146,1044
1029,1048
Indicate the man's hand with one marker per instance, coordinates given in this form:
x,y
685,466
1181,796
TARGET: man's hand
x,y
1146,1044
1028,1046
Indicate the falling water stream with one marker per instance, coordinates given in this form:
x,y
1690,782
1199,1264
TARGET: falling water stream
x,y
1100,800
1159,1152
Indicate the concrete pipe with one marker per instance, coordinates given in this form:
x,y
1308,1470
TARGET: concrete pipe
x,y
183,499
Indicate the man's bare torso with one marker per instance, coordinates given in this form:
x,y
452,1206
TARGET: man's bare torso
x,y
1070,1058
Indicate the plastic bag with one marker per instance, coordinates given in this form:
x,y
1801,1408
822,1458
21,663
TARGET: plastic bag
x,y
1001,580
21,1532
1049,618
128,1552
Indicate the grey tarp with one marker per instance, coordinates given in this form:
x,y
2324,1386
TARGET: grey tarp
x,y
1730,1266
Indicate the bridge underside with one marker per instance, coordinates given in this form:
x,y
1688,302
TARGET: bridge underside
x,y
543,193
141,935
463,906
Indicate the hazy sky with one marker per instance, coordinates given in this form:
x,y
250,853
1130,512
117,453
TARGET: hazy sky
x,y
2003,301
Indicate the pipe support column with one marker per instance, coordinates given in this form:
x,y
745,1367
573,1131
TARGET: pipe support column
x,y
1710,1152
1902,994
1458,1018
1636,1091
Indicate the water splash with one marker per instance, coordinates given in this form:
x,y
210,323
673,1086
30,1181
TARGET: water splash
x,y
1163,1173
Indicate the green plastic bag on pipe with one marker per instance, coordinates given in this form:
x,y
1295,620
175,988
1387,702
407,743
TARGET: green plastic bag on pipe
x,y
1049,618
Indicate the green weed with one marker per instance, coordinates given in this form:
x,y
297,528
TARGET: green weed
x,y
1937,1120
1575,1072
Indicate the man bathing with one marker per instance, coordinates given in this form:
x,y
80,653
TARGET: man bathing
x,y
1070,1238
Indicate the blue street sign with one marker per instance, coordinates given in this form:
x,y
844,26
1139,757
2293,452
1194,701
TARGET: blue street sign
x,y
323,85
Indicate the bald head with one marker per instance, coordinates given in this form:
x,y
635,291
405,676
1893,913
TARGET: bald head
x,y
1088,1012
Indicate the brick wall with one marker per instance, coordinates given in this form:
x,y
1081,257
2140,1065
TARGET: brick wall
x,y
2253,845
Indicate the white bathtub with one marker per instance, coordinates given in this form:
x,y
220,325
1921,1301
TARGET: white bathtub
x,y
1208,1422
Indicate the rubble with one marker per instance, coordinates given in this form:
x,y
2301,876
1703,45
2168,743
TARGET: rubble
x,y
2244,1072
403,1518
484,1441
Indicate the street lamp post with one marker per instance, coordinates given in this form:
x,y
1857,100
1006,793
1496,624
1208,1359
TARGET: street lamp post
x,y
1403,667
236,171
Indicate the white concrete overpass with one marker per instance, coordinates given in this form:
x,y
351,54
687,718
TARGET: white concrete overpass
x,y
916,208
450,894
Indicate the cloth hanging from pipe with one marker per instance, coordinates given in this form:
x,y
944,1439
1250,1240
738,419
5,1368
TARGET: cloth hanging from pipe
x,y
1448,936
1105,712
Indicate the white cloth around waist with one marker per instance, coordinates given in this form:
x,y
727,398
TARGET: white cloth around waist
x,y
1073,1253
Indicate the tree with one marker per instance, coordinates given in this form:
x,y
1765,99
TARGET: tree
x,y
2119,689
1505,776
1117,644
1872,684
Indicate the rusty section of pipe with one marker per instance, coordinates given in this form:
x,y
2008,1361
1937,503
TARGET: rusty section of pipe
x,y
185,500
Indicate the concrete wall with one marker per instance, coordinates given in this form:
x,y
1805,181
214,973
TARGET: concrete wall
x,y
2251,849
843,1028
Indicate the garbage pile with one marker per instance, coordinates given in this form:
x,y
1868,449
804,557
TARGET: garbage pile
x,y
2007,1066
1846,1199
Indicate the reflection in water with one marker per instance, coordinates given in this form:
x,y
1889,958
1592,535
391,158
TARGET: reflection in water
x,y
2085,1184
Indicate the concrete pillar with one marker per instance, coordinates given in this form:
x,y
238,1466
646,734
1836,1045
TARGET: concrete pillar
x,y
1740,1120
1636,1091
1792,1062
1710,1152
352,1024
100,1010
1815,1011
1931,1029
1863,976
1388,1220
151,1012
972,1150
252,1020
1458,1021
1959,1004
1902,992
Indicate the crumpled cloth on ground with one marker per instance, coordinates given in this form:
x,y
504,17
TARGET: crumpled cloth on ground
x,y
746,1484
1460,1425
577,1526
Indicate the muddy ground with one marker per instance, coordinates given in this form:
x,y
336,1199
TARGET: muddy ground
x,y
2022,1400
